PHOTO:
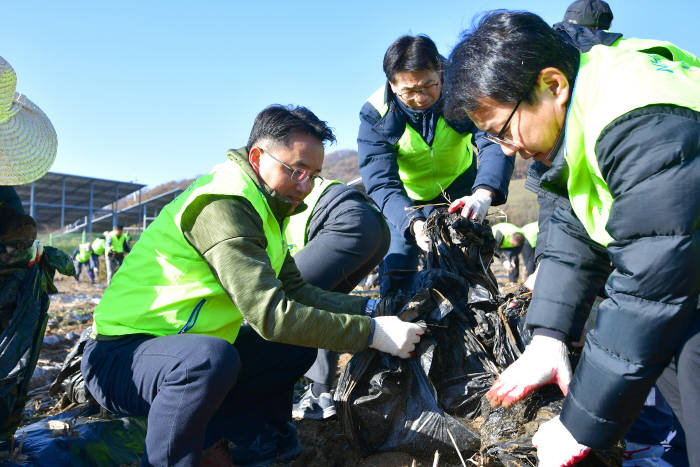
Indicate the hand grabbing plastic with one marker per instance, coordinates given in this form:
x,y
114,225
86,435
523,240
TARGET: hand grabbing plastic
x,y
420,236
556,447
544,361
473,207
395,337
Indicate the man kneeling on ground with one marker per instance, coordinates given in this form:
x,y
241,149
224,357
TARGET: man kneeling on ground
x,y
169,341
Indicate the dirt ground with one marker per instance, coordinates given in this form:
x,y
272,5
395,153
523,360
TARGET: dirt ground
x,y
70,312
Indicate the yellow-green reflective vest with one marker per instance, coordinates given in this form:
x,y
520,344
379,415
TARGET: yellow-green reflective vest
x,y
117,244
610,83
651,46
165,287
530,231
295,227
428,170
98,246
83,252
507,230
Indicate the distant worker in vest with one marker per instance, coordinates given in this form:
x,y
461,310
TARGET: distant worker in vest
x,y
169,341
98,250
628,134
412,159
336,242
116,245
82,256
511,243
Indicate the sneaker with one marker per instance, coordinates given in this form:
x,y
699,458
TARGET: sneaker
x,y
643,455
311,407
272,445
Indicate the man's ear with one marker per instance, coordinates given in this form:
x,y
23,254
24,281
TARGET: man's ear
x,y
254,158
552,80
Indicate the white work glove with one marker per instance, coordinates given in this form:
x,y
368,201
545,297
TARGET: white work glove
x,y
530,282
508,266
395,337
556,447
419,234
37,251
544,361
473,207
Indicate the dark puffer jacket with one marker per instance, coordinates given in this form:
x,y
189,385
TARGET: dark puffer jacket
x,y
650,159
377,151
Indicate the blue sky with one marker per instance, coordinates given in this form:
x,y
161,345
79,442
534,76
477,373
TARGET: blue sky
x,y
151,91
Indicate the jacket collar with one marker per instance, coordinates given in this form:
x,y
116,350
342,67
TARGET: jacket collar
x,y
279,206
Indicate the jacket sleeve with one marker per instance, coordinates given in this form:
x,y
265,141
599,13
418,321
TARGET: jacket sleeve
x,y
654,178
380,173
229,235
495,168
573,269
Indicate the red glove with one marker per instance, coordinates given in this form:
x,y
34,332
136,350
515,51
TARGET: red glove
x,y
544,361
556,447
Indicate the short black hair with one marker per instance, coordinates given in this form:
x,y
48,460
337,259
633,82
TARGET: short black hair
x,y
120,227
411,53
278,122
501,59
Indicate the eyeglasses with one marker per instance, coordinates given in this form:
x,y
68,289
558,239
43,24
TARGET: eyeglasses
x,y
411,93
297,175
499,139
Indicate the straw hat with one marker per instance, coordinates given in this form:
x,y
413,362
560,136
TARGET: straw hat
x,y
27,138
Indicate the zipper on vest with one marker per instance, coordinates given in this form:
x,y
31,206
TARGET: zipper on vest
x,y
193,317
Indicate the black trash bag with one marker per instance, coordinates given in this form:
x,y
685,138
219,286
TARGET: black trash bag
x,y
69,383
84,436
24,301
390,404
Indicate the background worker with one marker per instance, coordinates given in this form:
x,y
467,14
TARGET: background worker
x,y
412,158
82,257
169,341
626,134
98,249
339,239
116,244
510,241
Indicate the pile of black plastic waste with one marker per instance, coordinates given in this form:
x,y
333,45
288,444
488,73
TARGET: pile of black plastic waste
x,y
435,400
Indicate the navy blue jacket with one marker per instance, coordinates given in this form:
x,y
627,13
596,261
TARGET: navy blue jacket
x,y
655,261
377,151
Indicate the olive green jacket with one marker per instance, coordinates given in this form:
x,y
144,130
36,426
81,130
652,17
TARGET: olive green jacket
x,y
228,233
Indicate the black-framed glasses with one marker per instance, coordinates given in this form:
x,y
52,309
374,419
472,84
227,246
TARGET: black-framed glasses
x,y
411,93
499,138
297,175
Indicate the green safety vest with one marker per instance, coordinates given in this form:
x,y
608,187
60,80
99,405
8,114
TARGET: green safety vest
x,y
296,226
117,244
650,46
428,170
98,246
610,83
165,287
507,230
83,252
530,231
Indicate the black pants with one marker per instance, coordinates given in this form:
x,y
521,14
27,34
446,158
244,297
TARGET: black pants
x,y
195,389
680,386
347,238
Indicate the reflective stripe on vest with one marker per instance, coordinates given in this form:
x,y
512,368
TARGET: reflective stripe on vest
x,y
117,243
507,230
530,232
428,170
83,253
165,286
295,227
610,83
98,246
